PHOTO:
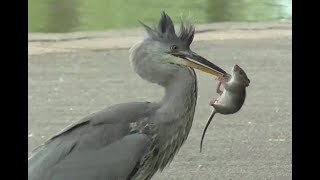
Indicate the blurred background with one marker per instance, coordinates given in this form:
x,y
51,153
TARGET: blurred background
x,y
98,15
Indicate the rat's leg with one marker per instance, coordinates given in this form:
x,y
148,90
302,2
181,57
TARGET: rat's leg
x,y
220,78
218,88
212,101
220,108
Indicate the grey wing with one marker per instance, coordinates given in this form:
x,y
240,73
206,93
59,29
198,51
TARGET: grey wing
x,y
100,146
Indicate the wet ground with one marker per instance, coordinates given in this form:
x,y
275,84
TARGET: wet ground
x,y
254,144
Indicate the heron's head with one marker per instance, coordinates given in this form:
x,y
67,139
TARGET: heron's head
x,y
163,52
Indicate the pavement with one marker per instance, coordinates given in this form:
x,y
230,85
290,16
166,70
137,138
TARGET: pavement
x,y
74,74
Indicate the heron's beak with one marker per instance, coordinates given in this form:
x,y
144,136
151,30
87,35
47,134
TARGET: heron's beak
x,y
191,59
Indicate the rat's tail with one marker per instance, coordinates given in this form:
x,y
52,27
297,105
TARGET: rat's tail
x,y
205,129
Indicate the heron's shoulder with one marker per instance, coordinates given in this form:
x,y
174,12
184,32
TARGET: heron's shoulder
x,y
115,114
124,112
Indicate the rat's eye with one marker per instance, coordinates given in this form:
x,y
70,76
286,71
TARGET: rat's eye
x,y
173,48
241,73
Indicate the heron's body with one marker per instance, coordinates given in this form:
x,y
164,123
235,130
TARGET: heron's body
x,y
130,140
95,133
173,129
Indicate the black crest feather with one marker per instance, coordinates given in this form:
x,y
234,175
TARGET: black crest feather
x,y
186,33
166,32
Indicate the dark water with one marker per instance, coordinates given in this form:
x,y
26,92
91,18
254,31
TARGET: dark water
x,y
95,15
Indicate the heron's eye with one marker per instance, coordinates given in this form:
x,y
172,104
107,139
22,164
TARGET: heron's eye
x,y
173,48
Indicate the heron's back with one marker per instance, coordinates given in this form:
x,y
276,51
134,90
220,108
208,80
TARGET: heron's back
x,y
91,148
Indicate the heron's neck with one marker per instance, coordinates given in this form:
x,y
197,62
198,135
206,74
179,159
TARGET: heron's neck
x,y
180,93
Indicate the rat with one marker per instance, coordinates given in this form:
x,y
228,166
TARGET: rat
x,y
232,97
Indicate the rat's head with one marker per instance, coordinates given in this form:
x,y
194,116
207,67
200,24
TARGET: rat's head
x,y
239,76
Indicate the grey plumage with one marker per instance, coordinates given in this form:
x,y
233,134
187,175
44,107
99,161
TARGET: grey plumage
x,y
93,141
132,140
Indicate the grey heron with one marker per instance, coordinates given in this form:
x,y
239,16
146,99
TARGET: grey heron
x,y
132,140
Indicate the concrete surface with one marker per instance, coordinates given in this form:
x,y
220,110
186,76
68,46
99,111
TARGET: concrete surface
x,y
254,144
